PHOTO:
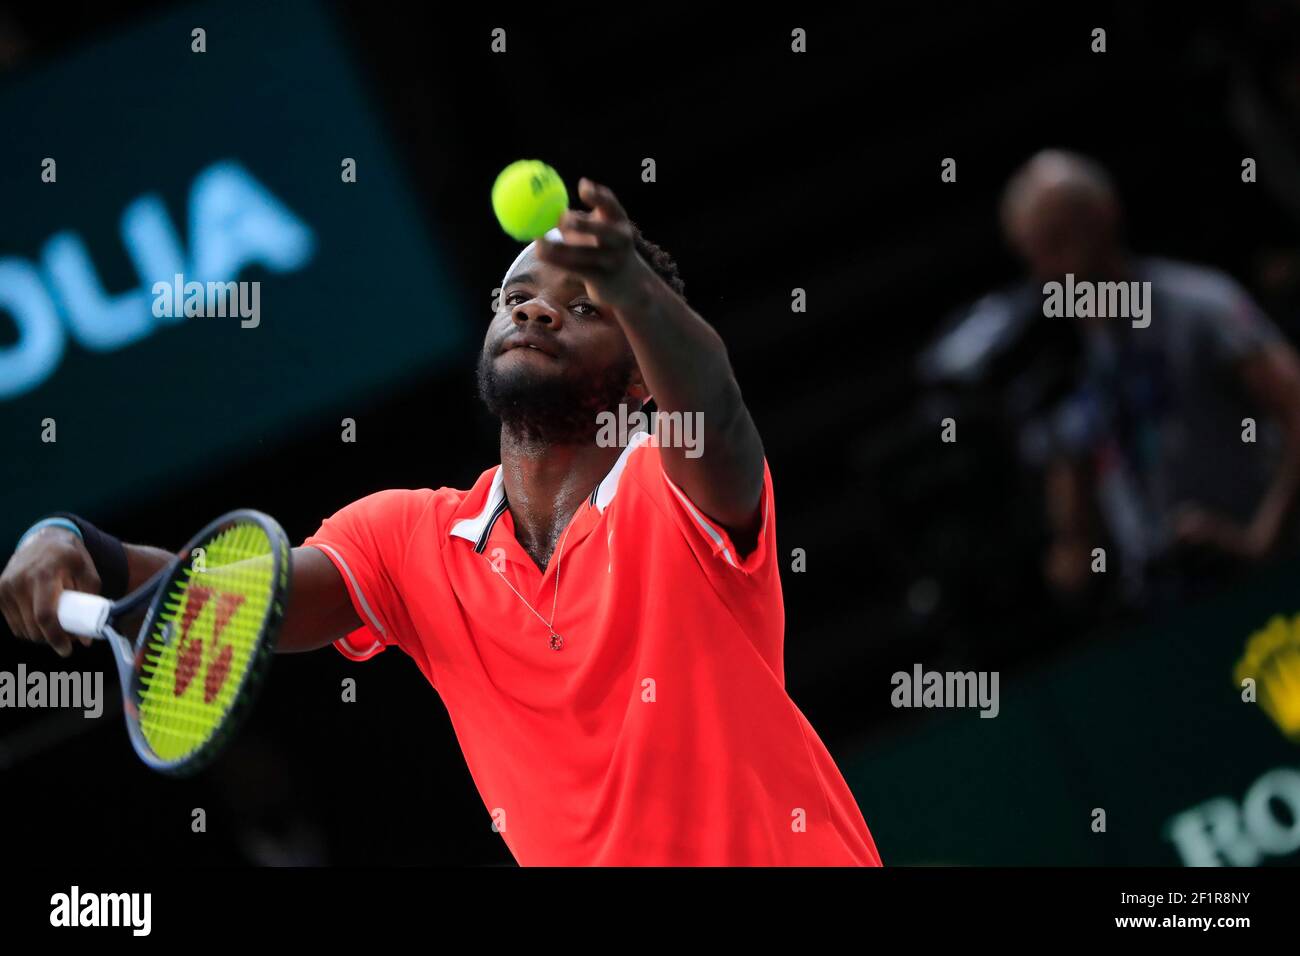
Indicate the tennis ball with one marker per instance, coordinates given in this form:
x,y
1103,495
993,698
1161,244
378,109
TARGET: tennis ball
x,y
528,198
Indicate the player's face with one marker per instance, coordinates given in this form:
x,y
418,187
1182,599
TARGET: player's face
x,y
546,325
552,358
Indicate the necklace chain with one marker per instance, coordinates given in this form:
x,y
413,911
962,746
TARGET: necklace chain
x,y
556,640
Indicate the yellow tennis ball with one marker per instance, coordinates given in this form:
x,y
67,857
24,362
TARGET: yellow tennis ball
x,y
528,198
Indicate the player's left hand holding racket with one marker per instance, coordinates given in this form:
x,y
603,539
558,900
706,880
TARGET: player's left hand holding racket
x,y
213,615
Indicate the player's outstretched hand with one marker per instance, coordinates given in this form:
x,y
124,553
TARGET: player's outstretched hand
x,y
52,561
598,247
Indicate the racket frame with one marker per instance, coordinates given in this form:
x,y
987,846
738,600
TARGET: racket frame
x,y
130,656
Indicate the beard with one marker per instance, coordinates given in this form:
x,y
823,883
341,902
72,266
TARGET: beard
x,y
549,409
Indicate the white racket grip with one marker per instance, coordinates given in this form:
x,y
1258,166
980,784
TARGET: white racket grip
x,y
83,614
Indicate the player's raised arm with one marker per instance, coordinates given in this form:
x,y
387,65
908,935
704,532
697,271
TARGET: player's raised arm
x,y
54,558
683,361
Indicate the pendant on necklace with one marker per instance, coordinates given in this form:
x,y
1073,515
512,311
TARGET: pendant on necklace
x,y
556,641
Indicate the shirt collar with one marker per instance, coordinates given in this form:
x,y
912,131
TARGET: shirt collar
x,y
477,527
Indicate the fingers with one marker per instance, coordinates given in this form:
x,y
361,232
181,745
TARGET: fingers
x,y
597,243
27,628
584,260
583,224
29,599
13,600
45,616
583,229
32,581
602,200
591,245
9,608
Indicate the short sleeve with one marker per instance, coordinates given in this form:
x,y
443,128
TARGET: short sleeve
x,y
367,541
709,540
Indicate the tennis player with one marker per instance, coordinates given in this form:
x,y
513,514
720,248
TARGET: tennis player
x,y
603,620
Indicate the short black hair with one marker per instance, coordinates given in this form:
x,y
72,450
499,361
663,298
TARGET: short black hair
x,y
659,260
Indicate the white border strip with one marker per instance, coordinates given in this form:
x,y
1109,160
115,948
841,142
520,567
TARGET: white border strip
x,y
356,589
699,519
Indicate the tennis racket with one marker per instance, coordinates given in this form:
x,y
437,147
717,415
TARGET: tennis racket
x,y
214,612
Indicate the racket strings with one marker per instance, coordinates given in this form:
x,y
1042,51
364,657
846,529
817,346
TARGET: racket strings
x,y
204,639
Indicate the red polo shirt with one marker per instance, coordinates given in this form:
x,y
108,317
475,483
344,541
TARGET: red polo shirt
x,y
660,733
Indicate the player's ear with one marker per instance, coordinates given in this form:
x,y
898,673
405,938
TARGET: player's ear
x,y
636,387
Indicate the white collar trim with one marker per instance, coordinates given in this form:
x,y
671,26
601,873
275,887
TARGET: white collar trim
x,y
472,529
608,487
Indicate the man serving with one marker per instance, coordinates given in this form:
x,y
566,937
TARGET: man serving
x,y
604,624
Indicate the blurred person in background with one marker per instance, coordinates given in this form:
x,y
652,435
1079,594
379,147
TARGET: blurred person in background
x,y
1147,451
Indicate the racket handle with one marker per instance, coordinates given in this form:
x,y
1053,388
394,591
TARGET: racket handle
x,y
83,614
